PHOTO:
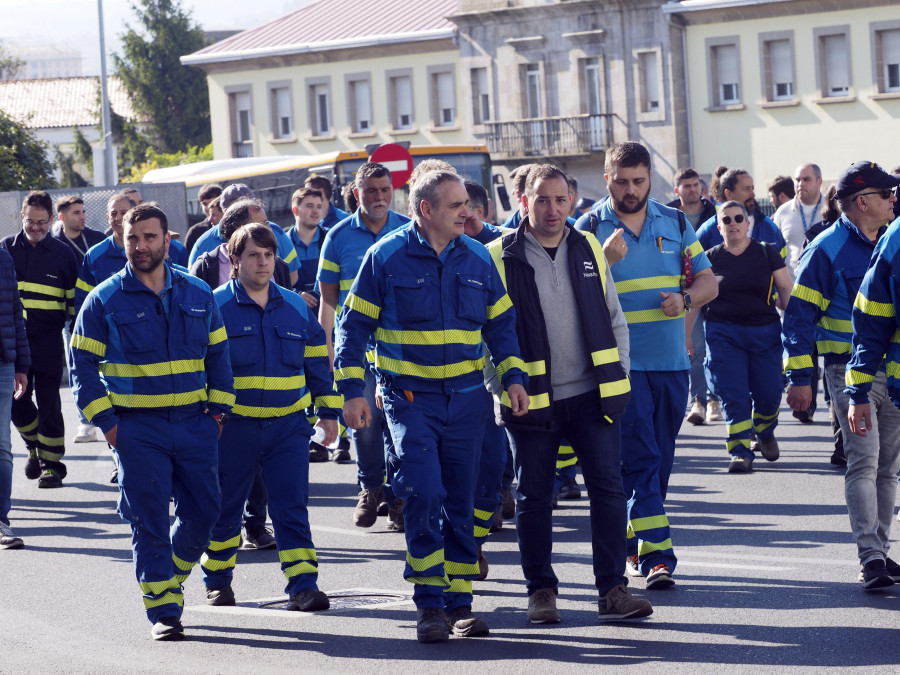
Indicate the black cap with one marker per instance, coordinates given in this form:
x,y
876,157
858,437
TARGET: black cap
x,y
863,176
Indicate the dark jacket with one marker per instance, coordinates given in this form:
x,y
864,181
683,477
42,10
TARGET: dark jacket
x,y
587,270
89,237
206,267
13,340
707,212
194,233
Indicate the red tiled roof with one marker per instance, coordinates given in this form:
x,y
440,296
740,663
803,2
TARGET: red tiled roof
x,y
339,20
61,101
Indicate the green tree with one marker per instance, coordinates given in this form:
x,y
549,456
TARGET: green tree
x,y
157,160
68,176
23,158
10,66
172,98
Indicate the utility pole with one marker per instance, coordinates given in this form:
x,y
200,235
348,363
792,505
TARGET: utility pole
x,y
109,159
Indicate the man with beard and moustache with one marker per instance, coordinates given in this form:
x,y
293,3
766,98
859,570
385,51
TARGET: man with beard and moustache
x,y
647,246
152,370
737,184
70,229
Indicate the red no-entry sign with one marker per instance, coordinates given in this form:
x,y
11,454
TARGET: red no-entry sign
x,y
396,159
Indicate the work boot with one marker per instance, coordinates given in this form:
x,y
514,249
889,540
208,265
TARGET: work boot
x,y
32,465
462,622
317,452
341,454
167,629
309,600
431,625
220,597
366,512
768,449
542,606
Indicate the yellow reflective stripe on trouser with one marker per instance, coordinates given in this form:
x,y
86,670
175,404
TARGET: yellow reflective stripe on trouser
x,y
428,337
458,585
303,559
738,427
647,547
31,426
53,291
152,369
217,565
649,523
182,568
158,587
731,445
461,569
429,561
157,400
234,542
88,345
429,581
170,598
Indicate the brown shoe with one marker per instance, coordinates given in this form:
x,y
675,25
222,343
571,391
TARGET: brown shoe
x,y
366,512
542,606
483,566
619,605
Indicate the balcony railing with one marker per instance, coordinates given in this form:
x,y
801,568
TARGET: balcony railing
x,y
242,149
551,136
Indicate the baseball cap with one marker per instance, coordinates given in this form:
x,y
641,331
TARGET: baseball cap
x,y
234,192
863,176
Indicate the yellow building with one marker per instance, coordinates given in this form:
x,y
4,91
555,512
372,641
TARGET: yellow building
x,y
776,83
335,75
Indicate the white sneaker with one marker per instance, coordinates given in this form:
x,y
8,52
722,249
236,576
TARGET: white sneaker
x,y
697,414
714,411
87,433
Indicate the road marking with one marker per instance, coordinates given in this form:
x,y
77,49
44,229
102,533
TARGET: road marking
x,y
338,530
253,607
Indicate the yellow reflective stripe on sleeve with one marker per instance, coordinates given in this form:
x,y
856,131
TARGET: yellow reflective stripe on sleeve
x,y
88,345
604,356
837,325
217,336
167,599
808,294
428,372
224,545
694,249
328,265
509,362
534,402
795,362
892,367
330,401
357,304
28,303
267,412
535,368
84,286
429,561
97,406
315,352
617,388
832,347
854,377
295,554
428,337
291,256
495,310
647,283
350,373
270,383
648,315
30,287
345,284
221,397
872,307
157,400
152,369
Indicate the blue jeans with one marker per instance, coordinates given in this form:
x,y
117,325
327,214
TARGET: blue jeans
x,y
597,445
7,375
701,387
372,442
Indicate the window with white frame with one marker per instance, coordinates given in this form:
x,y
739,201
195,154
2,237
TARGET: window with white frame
x,y
481,98
533,91
777,51
242,115
593,97
888,48
833,72
319,97
282,110
443,95
359,102
648,75
401,100
724,68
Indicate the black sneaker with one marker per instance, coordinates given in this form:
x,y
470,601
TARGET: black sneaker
x,y
220,597
569,489
838,458
32,466
893,569
875,575
257,540
167,629
431,625
50,479
462,622
341,454
805,416
317,452
308,600
767,448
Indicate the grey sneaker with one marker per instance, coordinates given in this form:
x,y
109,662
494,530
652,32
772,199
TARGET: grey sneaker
x,y
431,625
542,606
8,540
258,540
462,622
366,512
619,605
309,600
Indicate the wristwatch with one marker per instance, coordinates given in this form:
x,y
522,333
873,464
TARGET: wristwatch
x,y
687,300
221,418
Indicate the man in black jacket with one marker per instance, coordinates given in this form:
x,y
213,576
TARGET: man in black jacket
x,y
71,228
696,208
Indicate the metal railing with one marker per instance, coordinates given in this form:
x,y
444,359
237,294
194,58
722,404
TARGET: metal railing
x,y
242,149
575,135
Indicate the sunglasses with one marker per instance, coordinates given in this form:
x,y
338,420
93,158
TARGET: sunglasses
x,y
884,194
726,220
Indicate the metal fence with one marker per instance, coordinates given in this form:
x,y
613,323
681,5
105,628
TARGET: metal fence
x,y
170,196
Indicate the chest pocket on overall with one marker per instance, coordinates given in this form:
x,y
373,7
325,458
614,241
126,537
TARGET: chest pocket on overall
x,y
472,298
415,299
293,345
243,345
853,278
196,327
135,331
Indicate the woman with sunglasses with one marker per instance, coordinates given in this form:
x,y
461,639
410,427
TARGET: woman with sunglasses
x,y
743,336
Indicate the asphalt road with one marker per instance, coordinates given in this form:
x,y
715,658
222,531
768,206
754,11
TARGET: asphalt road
x,y
766,582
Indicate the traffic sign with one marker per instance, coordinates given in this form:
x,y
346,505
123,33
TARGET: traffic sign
x,y
396,159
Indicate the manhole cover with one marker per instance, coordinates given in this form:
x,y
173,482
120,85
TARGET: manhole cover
x,y
353,598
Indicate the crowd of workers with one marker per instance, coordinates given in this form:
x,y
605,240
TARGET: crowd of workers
x,y
458,356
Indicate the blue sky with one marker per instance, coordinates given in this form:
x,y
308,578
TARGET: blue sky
x,y
73,23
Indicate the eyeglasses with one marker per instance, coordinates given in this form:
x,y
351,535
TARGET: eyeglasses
x,y
884,194
726,220
40,223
